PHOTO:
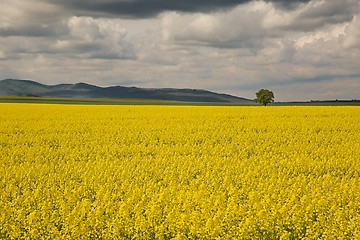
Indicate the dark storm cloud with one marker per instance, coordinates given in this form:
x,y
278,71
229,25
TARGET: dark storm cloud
x,y
150,8
290,4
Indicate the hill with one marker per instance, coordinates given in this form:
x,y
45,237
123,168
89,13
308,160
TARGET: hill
x,y
15,87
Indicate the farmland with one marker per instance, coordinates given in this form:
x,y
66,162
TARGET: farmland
x,y
182,172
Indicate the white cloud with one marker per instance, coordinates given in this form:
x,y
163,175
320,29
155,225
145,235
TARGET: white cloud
x,y
249,24
91,29
327,33
238,27
98,38
352,34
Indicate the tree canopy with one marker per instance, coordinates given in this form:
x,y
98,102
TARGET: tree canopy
x,y
264,97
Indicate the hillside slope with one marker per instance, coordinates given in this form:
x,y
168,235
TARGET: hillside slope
x,y
15,87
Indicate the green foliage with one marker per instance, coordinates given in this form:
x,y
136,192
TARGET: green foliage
x,y
264,96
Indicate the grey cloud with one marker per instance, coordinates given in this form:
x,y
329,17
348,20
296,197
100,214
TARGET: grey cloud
x,y
249,25
234,45
317,14
327,9
289,5
31,19
240,27
126,55
352,37
329,12
151,8
34,31
322,78
83,38
96,38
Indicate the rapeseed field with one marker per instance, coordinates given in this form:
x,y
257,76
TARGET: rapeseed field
x,y
179,172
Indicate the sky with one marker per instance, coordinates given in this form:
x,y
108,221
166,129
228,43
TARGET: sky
x,y
299,49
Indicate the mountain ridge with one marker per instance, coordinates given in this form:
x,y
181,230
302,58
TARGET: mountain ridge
x,y
17,87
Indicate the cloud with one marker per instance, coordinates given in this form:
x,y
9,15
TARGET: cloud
x,y
151,8
311,16
298,49
238,27
352,34
96,38
247,25
30,18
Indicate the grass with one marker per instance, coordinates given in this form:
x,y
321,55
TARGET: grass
x,y
112,101
129,101
320,103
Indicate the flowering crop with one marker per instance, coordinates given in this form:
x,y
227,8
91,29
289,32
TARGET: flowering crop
x,y
182,172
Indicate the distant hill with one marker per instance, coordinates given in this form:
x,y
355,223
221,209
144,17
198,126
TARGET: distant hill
x,y
15,87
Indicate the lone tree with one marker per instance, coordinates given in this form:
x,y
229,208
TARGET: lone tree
x,y
264,97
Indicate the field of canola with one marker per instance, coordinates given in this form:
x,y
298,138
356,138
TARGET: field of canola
x,y
179,172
